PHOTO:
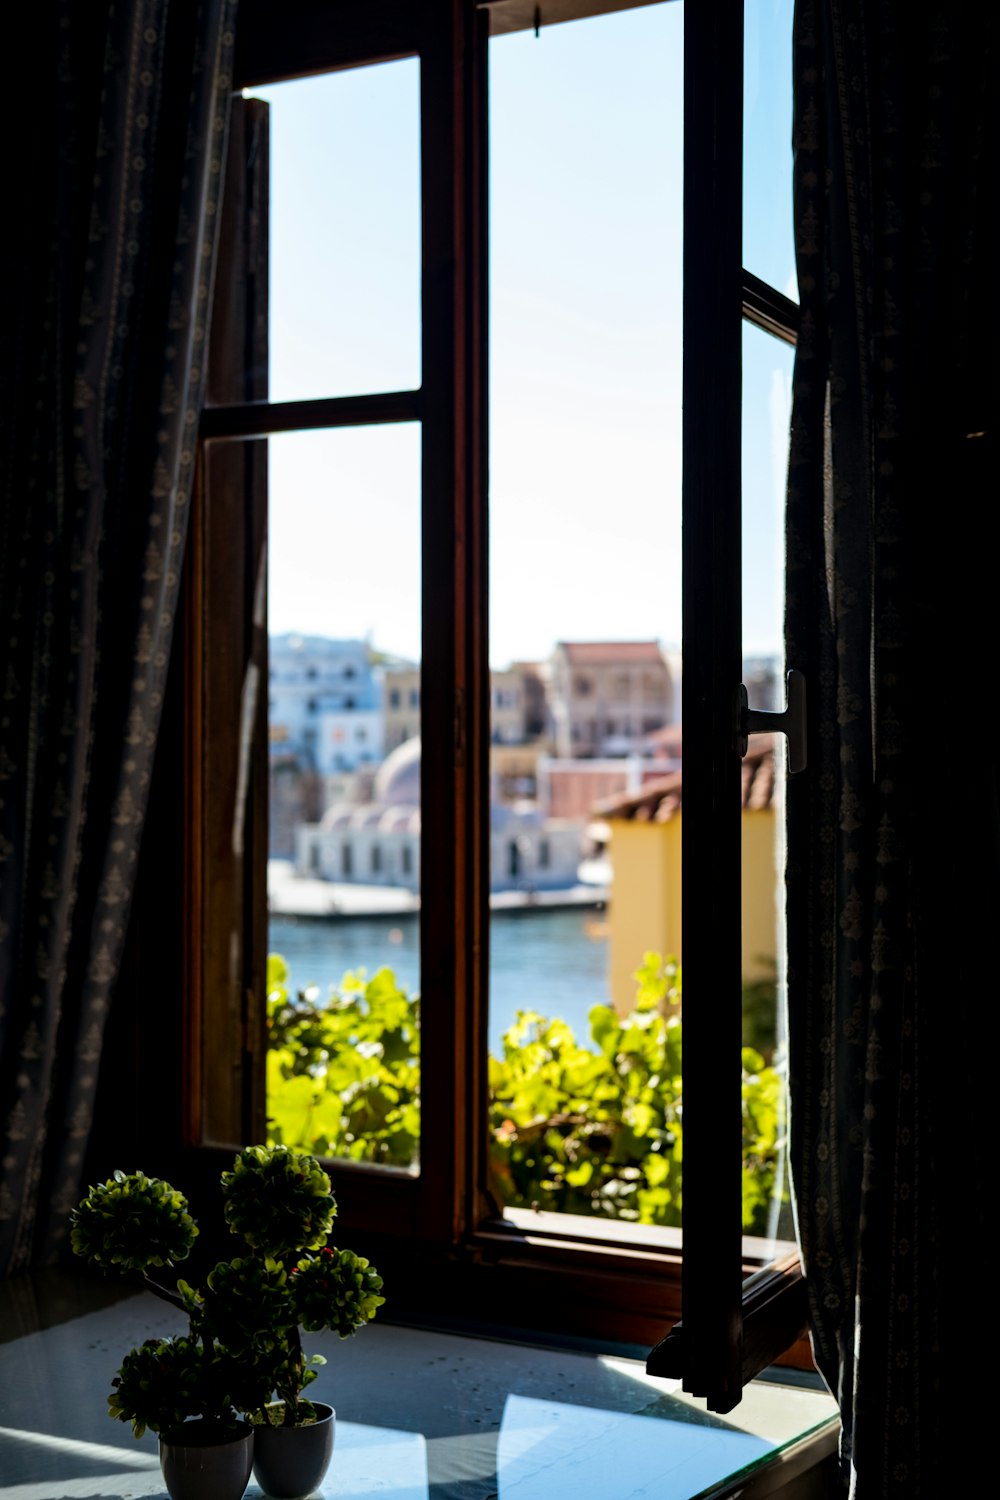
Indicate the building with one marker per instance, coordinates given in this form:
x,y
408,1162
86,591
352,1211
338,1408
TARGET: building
x,y
508,707
644,847
605,697
761,678
378,842
370,843
324,703
570,788
400,703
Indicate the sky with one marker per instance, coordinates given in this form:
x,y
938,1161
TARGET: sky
x,y
585,337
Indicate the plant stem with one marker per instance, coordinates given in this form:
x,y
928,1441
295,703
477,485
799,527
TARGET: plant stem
x,y
162,1292
292,1406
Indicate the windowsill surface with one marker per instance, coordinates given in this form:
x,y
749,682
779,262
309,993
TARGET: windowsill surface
x,y
419,1414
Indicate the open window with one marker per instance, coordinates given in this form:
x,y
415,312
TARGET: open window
x,y
435,652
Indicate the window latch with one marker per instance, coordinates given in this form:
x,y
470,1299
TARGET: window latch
x,y
791,722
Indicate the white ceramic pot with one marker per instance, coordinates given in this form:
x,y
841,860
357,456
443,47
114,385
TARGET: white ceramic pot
x,y
197,1465
290,1462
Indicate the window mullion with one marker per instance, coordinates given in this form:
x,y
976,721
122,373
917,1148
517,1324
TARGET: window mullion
x,y
712,1208
454,899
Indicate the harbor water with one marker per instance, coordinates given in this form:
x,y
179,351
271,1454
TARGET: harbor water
x,y
552,961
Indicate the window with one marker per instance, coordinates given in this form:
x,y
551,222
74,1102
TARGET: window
x,y
420,410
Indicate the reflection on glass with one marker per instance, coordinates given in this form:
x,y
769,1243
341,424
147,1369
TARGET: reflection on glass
x,y
585,463
672,1451
768,242
345,232
767,384
344,792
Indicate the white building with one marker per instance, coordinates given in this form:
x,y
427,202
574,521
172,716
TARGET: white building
x,y
378,843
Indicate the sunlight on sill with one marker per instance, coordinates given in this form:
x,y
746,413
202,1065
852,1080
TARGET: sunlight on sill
x,y
542,1225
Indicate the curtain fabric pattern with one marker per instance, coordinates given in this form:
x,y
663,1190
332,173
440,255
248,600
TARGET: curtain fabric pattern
x,y
893,831
117,138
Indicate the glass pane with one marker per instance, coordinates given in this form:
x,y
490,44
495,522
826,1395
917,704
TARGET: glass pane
x,y
768,241
767,394
344,793
586,195
345,232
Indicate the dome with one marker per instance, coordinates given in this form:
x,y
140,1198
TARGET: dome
x,y
368,815
397,780
337,816
399,821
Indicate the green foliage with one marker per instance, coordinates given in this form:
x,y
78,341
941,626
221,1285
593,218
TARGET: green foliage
x,y
574,1127
246,1307
760,1014
158,1385
343,1078
243,1345
593,1130
335,1289
278,1200
132,1222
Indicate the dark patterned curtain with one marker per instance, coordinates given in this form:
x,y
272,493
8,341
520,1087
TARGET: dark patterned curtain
x,y
116,116
894,830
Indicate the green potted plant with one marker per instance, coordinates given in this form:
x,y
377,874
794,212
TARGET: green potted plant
x,y
216,1394
279,1201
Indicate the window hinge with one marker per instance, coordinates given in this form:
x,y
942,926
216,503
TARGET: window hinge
x,y
791,722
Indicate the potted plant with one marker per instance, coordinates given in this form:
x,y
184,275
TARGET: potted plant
x,y
279,1201
217,1394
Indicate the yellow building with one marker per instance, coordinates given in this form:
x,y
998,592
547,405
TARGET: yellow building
x,y
645,852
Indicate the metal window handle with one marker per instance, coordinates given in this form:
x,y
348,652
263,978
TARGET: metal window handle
x,y
791,723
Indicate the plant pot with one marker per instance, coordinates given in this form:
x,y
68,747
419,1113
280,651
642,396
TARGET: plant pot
x,y
290,1462
200,1461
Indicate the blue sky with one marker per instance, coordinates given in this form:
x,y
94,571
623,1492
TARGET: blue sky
x,y
586,184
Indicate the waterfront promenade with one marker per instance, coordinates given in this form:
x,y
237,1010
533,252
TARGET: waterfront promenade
x,y
304,897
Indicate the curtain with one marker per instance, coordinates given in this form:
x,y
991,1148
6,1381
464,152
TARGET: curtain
x,y
114,146
894,830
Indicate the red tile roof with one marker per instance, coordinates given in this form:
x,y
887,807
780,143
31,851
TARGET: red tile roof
x,y
596,653
658,801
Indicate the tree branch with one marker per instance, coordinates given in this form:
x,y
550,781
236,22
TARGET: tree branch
x,y
173,1298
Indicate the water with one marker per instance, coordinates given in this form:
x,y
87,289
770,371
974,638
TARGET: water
x,y
555,962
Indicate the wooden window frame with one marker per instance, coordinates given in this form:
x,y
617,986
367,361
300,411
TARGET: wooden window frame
x,y
440,1237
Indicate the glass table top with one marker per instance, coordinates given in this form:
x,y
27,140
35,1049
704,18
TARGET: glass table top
x,y
420,1416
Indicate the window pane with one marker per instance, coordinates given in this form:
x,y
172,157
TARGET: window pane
x,y
768,242
586,159
767,387
345,232
344,791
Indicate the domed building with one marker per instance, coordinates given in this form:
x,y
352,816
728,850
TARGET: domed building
x,y
378,842
370,843
397,780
